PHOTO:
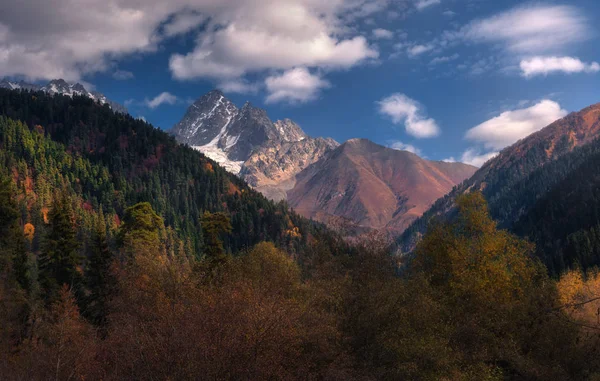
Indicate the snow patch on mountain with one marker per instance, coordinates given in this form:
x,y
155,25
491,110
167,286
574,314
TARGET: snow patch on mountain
x,y
217,154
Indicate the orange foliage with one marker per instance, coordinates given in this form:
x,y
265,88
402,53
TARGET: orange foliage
x,y
208,167
29,231
233,189
45,214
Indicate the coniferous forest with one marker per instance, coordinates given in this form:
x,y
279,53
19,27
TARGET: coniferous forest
x,y
126,256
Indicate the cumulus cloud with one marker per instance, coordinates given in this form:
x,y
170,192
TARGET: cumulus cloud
x,y
443,59
510,126
398,145
547,65
236,37
474,157
297,85
276,35
417,50
402,109
383,34
532,28
160,99
182,23
422,4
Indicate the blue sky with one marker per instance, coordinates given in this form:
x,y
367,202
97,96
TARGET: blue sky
x,y
448,79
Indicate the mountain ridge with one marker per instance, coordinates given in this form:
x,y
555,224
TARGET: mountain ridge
x,y
60,86
372,185
508,174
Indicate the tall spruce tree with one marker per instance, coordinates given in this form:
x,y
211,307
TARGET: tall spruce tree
x,y
60,256
100,280
214,225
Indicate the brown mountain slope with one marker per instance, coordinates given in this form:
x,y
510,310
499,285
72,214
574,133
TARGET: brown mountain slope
x,y
373,186
509,181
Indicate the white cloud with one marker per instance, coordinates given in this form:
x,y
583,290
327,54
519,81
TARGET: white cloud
x,y
398,145
297,85
237,37
383,34
160,99
530,29
275,35
449,13
239,86
475,158
182,23
422,4
547,65
510,126
417,50
439,60
122,75
402,109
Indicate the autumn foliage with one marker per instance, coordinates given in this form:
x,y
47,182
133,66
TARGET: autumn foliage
x,y
472,304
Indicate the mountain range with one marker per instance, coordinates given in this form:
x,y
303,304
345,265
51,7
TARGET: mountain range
x,y
60,86
366,184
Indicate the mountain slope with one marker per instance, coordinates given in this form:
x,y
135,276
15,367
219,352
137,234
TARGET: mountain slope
x,y
373,186
60,86
564,223
272,169
510,182
110,161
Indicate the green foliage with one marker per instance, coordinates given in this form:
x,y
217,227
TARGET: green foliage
x,y
142,229
60,258
111,161
100,280
214,226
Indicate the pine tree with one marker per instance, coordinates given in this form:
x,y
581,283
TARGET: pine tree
x,y
214,225
141,231
8,217
100,280
60,256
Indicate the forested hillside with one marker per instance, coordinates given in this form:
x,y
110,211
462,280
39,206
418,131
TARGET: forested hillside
x,y
521,175
565,223
108,161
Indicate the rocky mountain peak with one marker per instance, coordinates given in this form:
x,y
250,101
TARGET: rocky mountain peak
x,y
289,131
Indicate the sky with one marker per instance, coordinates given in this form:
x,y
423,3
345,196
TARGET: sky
x,y
454,80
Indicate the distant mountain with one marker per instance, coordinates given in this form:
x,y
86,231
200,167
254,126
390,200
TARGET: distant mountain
x,y
60,86
246,142
521,175
373,186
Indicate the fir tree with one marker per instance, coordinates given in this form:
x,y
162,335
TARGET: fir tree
x,y
100,280
60,256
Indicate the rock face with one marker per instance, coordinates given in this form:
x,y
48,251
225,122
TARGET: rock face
x,y
246,142
373,186
60,86
272,169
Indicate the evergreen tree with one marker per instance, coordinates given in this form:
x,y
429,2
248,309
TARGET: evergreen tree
x,y
214,225
100,280
142,231
60,256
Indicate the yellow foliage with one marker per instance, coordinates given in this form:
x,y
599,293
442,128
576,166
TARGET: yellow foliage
x,y
577,295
